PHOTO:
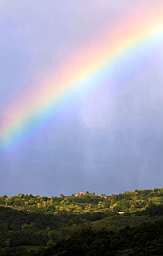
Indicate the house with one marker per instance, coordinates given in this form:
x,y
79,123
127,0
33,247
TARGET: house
x,y
121,213
80,194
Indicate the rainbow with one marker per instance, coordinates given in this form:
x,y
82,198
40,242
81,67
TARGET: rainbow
x,y
80,71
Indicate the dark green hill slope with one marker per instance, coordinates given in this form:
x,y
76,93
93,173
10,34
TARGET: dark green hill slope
x,y
82,224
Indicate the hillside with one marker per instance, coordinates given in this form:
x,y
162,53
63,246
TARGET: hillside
x,y
129,223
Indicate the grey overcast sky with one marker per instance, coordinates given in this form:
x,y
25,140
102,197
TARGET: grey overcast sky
x,y
107,140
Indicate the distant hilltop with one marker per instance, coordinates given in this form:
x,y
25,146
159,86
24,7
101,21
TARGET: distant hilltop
x,y
88,202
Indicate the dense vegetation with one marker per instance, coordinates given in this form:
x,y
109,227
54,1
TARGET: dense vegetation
x,y
82,224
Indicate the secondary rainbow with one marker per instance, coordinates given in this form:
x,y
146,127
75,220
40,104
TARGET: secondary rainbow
x,y
83,64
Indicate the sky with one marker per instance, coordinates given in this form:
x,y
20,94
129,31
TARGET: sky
x,y
104,136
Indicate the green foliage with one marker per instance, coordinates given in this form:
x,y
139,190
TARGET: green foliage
x,y
85,202
130,223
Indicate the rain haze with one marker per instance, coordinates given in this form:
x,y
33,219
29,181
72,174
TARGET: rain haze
x,y
105,139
